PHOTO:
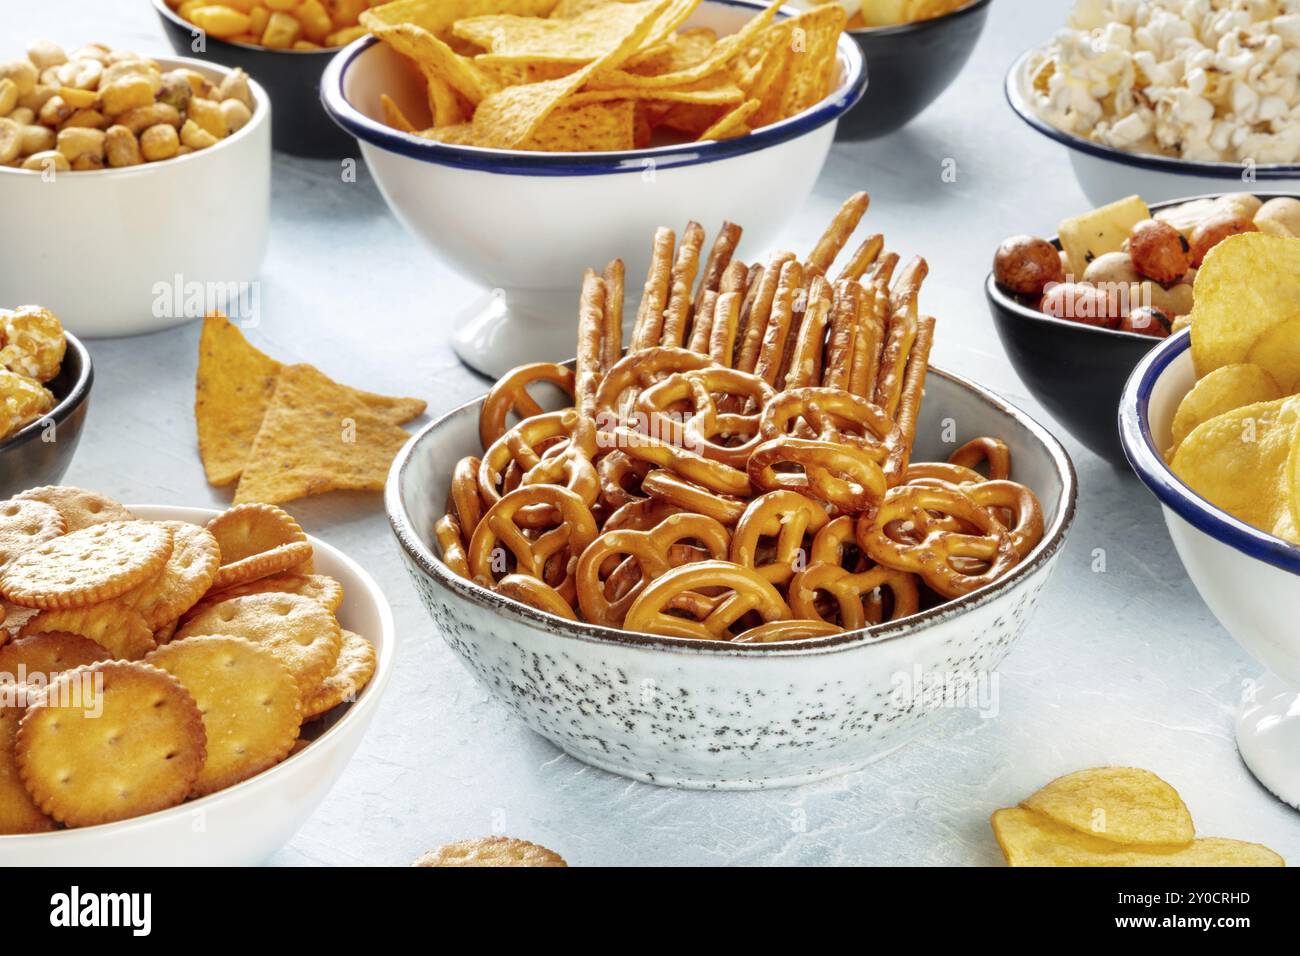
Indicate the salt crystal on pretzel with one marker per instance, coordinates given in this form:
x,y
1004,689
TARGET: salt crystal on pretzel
x,y
837,233
591,321
722,337
611,340
805,363
789,284
913,391
719,261
677,312
654,298
759,306
863,257
844,320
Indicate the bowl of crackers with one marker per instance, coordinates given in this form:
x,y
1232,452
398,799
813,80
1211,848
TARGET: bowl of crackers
x,y
760,543
45,380
177,685
121,162
488,133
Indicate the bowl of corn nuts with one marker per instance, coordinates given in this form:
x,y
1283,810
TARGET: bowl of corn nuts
x,y
144,183
760,543
284,45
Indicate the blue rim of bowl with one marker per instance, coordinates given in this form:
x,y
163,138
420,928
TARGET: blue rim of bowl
x,y
1149,465
418,554
525,163
1164,164
916,26
76,396
180,21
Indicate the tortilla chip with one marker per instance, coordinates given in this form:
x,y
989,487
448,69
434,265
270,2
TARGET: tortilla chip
x,y
814,37
317,436
734,123
567,9
581,39
394,116
437,16
594,126
433,56
460,134
232,390
715,91
679,52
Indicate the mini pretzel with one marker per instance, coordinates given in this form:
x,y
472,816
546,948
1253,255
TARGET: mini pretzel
x,y
789,517
908,412
746,592
446,531
994,451
509,395
668,488
830,543
466,504
1026,514
774,631
552,555
843,476
857,595
650,552
938,556
536,594
617,471
941,471
713,475
867,339
702,327
699,391
570,465
638,370
640,515
836,417
893,357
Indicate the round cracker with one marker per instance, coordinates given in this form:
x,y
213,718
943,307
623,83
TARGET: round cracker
x,y
184,579
25,524
302,634
137,749
80,508
321,588
88,566
249,701
49,654
491,851
18,811
122,632
352,672
256,541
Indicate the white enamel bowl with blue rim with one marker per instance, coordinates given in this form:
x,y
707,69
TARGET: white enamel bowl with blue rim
x,y
1249,579
1106,174
524,225
705,714
244,824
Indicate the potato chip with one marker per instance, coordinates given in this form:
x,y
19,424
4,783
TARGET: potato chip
x,y
1278,351
1031,839
1224,389
1248,285
1237,462
317,437
1118,804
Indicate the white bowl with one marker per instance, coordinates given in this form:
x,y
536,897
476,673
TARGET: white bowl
x,y
1249,579
1106,174
244,824
705,714
524,225
120,251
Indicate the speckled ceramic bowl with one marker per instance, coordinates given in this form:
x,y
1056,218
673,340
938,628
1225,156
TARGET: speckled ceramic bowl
x,y
701,714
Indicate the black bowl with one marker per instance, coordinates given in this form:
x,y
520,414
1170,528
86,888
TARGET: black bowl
x,y
41,453
291,78
908,66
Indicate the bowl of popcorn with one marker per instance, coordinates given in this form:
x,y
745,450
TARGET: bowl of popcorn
x,y
45,380
1151,99
284,45
143,183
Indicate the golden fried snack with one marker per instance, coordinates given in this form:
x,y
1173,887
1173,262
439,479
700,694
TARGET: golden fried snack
x,y
611,339
682,279
993,452
510,394
649,327
32,343
838,232
535,593
551,556
776,631
745,592
491,851
80,508
23,400
857,596
591,321
785,515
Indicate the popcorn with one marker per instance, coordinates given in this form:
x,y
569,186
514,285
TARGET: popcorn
x,y
1205,80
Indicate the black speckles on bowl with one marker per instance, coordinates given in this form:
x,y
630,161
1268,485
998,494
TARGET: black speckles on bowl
x,y
41,453
299,124
908,66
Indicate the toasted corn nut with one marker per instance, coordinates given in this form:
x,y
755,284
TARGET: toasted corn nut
x,y
11,140
281,31
234,86
93,119
207,115
125,94
257,18
159,142
55,111
175,91
219,20
23,116
8,96
315,20
45,54
79,141
281,5
47,159
91,51
121,148
22,73
37,139
195,136
87,163
38,97
78,99
133,67
236,114
345,36
140,119
80,74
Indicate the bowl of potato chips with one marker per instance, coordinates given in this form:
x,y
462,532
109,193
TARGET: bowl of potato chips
x,y
1210,422
524,148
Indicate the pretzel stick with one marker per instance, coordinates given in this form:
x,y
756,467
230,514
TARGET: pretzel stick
x,y
863,257
683,281
893,357
868,336
883,270
752,282
789,283
724,245
805,364
760,311
839,348
909,282
726,315
650,313
611,342
909,404
736,278
702,327
591,320
837,233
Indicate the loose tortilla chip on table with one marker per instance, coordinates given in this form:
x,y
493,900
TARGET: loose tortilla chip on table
x,y
317,436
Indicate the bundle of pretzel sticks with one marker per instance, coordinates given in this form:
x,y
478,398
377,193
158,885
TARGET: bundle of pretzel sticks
x,y
743,472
